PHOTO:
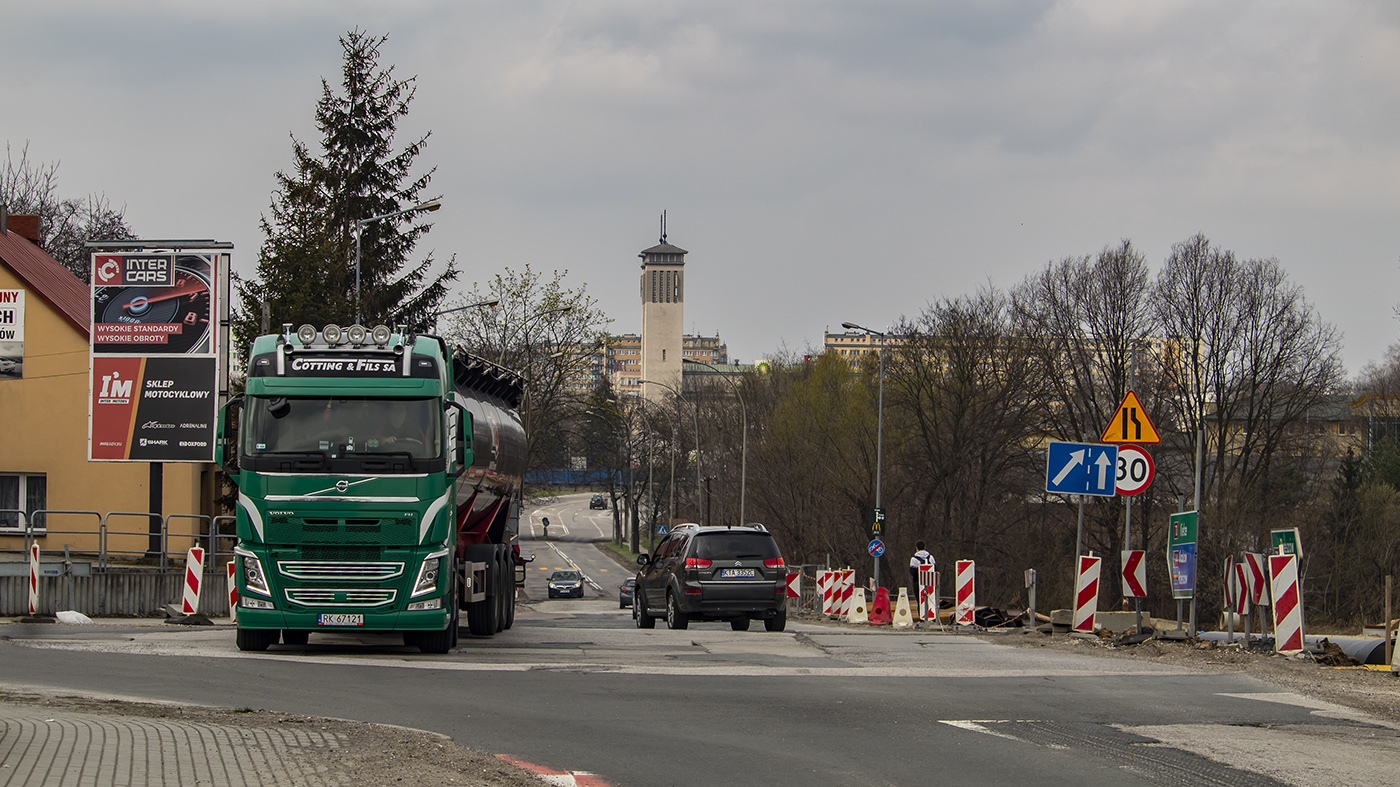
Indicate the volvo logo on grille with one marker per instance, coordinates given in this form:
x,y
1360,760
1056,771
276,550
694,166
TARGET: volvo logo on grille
x,y
342,485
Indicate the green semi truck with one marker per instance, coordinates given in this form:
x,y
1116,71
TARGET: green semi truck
x,y
377,474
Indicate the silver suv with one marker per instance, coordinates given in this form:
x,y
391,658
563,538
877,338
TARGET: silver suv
x,y
713,573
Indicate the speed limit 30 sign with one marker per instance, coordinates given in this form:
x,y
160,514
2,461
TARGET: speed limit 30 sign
x,y
1134,470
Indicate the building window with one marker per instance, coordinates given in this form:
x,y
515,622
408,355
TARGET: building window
x,y
21,492
1341,428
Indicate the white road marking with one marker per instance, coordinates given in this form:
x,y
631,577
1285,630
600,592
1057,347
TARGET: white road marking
x,y
977,726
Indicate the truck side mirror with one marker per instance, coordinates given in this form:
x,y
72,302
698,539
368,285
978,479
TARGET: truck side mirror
x,y
459,456
226,439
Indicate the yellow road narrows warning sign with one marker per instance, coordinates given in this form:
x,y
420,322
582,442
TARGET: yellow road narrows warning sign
x,y
1130,424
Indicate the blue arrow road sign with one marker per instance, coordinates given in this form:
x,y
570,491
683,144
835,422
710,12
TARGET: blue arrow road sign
x,y
1081,469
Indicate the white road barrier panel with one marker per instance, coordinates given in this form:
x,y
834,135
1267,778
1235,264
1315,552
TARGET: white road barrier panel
x,y
1086,593
848,589
859,613
824,591
794,585
967,592
34,578
1288,604
903,618
194,574
928,593
232,592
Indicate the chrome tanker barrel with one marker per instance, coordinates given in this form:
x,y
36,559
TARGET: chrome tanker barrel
x,y
492,394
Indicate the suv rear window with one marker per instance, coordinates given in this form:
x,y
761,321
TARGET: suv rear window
x,y
735,544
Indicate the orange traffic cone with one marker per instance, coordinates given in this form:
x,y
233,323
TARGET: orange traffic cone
x,y
880,610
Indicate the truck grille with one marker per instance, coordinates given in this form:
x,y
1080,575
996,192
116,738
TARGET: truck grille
x,y
340,598
323,569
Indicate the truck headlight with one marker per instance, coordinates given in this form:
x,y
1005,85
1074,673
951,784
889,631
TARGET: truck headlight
x,y
427,580
253,576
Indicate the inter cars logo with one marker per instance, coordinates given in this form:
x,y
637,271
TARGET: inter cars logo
x,y
108,270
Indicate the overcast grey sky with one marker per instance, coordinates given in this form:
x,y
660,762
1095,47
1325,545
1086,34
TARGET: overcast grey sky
x,y
821,161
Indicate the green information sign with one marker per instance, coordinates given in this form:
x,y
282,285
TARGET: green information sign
x,y
1288,540
1183,528
1181,554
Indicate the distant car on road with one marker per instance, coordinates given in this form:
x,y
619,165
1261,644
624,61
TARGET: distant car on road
x,y
598,501
566,583
624,593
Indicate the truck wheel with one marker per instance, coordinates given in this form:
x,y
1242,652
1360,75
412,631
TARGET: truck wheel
x,y
503,581
675,619
481,615
256,639
639,613
295,636
777,622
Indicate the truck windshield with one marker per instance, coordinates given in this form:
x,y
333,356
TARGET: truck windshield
x,y
341,427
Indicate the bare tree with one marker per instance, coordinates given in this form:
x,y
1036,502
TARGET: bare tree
x,y
65,225
544,330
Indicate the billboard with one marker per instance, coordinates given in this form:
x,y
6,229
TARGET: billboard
x,y
153,365
11,334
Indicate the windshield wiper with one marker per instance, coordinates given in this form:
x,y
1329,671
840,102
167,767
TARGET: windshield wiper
x,y
375,456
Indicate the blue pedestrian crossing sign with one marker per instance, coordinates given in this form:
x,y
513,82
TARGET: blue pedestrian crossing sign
x,y
661,530
877,548
1081,469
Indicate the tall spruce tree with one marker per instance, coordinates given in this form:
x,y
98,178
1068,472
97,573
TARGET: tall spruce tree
x,y
306,266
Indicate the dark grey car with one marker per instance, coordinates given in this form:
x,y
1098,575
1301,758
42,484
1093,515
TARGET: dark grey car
x,y
713,573
566,583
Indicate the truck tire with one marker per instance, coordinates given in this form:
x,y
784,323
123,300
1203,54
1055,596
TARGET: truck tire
x,y
503,581
481,615
256,639
439,641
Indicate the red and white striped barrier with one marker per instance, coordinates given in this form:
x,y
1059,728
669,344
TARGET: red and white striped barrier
x,y
794,585
194,574
1288,603
232,592
34,578
824,592
847,592
1231,586
1243,591
928,593
1086,593
1134,573
967,591
1258,576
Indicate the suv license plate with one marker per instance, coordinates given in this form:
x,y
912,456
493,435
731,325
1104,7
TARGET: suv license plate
x,y
747,573
340,620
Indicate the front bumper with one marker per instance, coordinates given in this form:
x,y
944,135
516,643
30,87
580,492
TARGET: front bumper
x,y
424,620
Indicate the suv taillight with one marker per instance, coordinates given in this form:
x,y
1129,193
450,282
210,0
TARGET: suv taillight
x,y
776,562
697,562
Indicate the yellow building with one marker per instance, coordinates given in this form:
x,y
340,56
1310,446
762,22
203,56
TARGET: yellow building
x,y
45,313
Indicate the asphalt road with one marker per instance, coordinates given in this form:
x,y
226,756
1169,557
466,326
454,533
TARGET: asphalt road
x,y
575,686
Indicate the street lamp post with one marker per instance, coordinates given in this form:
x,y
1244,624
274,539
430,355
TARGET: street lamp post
x,y
699,510
626,445
879,423
744,455
479,305
360,224
672,422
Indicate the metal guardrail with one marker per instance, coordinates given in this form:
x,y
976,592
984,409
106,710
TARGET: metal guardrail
x,y
215,533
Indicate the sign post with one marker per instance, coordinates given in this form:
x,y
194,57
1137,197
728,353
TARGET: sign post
x,y
875,520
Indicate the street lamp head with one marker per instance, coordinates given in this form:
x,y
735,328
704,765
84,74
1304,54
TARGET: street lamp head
x,y
850,326
427,207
